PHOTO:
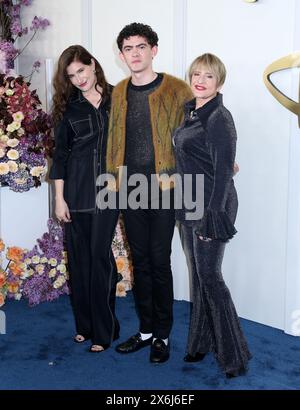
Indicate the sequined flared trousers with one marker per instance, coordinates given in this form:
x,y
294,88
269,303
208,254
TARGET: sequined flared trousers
x,y
214,325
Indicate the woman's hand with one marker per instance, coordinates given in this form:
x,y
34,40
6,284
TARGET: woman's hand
x,y
62,211
236,168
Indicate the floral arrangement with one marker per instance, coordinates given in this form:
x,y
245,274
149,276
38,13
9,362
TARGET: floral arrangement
x,y
41,274
25,129
25,135
11,29
38,275
121,253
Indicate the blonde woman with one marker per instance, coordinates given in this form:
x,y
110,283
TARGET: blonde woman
x,y
205,144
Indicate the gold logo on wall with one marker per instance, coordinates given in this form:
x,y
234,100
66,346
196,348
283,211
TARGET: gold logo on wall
x,y
284,63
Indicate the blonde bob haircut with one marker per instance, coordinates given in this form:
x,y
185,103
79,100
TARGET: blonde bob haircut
x,y
212,63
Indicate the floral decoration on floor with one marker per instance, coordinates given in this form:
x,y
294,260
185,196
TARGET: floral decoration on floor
x,y
41,274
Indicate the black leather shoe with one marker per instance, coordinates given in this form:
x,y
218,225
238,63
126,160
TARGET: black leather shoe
x,y
236,373
133,344
160,352
197,358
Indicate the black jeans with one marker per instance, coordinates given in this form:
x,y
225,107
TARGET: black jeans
x,y
93,274
149,233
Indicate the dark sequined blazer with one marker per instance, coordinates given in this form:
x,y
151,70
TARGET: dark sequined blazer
x,y
206,144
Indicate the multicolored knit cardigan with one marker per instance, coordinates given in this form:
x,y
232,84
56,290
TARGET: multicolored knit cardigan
x,y
166,110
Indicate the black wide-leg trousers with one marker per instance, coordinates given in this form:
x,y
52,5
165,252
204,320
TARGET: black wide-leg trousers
x,y
214,325
149,233
93,274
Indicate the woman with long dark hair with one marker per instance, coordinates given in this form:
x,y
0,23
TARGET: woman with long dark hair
x,y
80,112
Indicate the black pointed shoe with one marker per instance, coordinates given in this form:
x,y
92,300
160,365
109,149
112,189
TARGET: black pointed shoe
x,y
235,373
196,358
133,344
160,352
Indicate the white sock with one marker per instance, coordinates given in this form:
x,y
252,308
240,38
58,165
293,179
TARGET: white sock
x,y
145,336
166,341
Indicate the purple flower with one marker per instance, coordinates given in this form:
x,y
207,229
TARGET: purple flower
x,y
15,11
11,11
16,28
9,49
26,2
40,288
36,64
20,181
45,23
39,22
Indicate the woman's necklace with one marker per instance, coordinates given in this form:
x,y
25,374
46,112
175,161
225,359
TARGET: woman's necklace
x,y
192,114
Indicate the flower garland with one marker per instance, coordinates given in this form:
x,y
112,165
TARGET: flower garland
x,y
41,274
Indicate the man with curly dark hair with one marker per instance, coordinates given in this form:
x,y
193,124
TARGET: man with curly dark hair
x,y
146,109
137,29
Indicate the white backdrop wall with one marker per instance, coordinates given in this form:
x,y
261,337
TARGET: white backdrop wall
x,y
108,21
248,37
292,289
261,266
66,28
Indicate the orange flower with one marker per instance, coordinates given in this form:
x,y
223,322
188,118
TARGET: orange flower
x,y
14,253
121,291
120,262
2,246
13,287
2,279
1,299
16,268
130,266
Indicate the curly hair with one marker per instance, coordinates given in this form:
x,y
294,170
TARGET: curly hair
x,y
63,88
137,29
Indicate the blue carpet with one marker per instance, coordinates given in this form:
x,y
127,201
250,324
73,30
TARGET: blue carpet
x,y
38,353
